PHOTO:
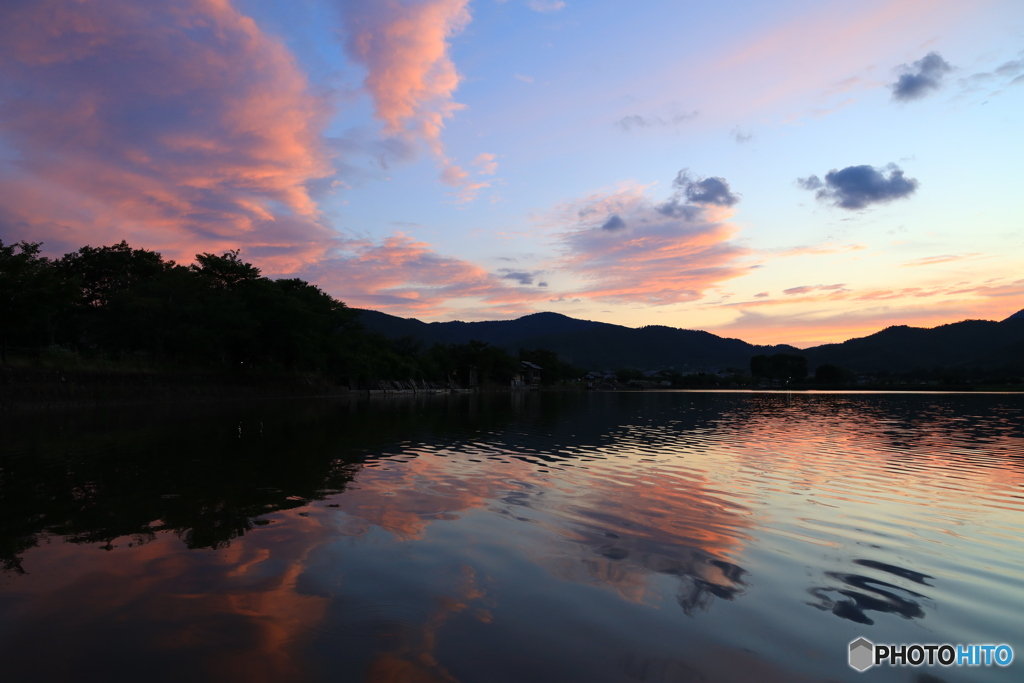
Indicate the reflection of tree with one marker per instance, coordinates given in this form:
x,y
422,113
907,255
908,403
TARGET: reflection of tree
x,y
862,594
93,477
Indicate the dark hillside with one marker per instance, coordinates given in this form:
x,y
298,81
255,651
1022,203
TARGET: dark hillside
x,y
984,344
587,344
497,332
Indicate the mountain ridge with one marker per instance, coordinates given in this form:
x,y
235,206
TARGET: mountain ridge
x,y
597,346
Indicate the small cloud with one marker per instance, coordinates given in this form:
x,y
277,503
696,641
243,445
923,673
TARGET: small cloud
x,y
613,223
924,76
545,5
761,295
739,136
856,187
524,79
690,194
486,163
812,182
807,289
711,190
632,121
542,284
1011,68
944,258
522,277
453,175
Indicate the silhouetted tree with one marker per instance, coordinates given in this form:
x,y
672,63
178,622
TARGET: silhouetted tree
x,y
829,374
779,366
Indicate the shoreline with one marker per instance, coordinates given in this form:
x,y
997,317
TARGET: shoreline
x,y
46,389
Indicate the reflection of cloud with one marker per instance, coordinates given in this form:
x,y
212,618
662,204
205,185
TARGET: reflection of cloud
x,y
659,524
239,617
178,125
413,661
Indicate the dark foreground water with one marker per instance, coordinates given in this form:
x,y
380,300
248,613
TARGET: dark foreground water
x,y
539,537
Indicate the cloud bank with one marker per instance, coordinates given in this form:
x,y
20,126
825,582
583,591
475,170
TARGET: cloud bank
x,y
407,277
178,125
628,248
857,187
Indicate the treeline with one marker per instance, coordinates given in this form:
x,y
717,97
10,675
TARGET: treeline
x,y
119,306
792,369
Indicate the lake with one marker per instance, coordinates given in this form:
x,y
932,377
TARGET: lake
x,y
632,536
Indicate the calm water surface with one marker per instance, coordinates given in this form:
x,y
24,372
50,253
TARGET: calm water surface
x,y
537,537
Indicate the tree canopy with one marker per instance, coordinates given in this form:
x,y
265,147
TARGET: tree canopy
x,y
117,303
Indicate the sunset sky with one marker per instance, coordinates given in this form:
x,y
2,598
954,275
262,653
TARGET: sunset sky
x,y
786,171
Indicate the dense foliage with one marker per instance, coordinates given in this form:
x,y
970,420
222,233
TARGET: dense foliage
x,y
119,304
780,366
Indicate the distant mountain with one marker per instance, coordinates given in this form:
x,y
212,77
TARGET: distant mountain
x,y
970,343
587,344
594,345
496,332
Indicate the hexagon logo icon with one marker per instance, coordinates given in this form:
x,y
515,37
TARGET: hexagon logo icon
x,y
862,654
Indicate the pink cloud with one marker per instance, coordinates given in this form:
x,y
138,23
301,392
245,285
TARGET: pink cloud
x,y
944,258
177,125
410,74
403,276
807,289
486,163
817,317
627,250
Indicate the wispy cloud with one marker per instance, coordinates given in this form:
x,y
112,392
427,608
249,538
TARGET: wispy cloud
x,y
943,258
405,276
806,289
628,123
546,5
411,77
486,163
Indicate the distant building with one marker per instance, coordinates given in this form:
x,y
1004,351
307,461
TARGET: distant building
x,y
528,375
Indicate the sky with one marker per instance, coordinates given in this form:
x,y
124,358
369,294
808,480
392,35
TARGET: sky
x,y
782,172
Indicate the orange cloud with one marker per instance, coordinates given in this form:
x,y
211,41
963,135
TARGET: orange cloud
x,y
410,74
825,323
178,125
406,277
944,258
631,250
